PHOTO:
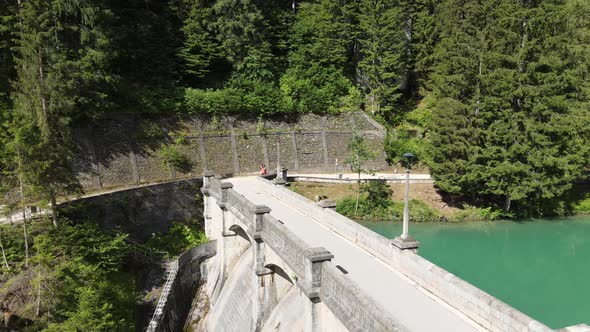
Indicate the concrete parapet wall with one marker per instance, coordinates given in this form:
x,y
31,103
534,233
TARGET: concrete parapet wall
x,y
351,306
285,244
478,305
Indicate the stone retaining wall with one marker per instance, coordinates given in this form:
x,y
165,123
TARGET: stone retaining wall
x,y
123,149
143,210
478,305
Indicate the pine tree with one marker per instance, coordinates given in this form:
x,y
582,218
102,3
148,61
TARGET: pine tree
x,y
382,42
512,114
238,28
7,21
337,23
200,51
62,64
421,28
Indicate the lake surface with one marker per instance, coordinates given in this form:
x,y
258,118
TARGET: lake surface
x,y
540,267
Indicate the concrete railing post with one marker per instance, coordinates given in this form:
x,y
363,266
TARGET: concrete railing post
x,y
281,178
225,186
261,307
207,176
259,213
315,257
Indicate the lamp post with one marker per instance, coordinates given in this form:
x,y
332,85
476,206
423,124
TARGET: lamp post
x,y
405,241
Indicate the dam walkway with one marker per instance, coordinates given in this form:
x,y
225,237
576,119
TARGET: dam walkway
x,y
413,306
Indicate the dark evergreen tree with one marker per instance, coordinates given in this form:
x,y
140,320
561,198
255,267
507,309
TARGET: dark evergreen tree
x,y
62,62
420,26
382,41
201,52
239,30
512,117
337,27
7,25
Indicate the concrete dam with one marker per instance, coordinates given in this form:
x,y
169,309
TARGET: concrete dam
x,y
279,262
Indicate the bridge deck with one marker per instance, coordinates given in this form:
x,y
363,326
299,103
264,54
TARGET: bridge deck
x,y
414,307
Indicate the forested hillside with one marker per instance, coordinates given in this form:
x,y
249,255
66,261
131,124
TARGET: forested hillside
x,y
493,96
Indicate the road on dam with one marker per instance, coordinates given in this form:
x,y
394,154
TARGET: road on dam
x,y
414,307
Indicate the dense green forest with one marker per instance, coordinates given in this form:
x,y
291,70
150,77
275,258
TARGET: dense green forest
x,y
493,96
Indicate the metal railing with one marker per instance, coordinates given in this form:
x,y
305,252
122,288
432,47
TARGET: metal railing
x,y
171,276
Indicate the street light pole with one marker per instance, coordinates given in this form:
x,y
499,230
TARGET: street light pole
x,y
405,241
406,220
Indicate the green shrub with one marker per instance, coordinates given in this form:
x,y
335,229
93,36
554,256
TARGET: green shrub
x,y
419,211
368,210
472,213
149,131
583,206
180,237
172,156
378,193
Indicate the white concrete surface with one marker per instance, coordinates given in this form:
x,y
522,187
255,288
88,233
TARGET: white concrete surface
x,y
415,308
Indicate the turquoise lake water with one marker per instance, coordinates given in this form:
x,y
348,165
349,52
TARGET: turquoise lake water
x,y
540,267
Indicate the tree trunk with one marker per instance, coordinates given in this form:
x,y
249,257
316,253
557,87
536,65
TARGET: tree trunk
x,y
25,232
507,203
3,254
38,309
26,237
44,125
358,193
53,209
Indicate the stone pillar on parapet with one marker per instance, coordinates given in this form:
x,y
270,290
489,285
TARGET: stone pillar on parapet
x,y
207,176
262,273
327,204
281,178
311,285
225,187
256,230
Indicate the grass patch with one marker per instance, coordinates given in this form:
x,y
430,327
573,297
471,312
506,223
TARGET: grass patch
x,y
392,211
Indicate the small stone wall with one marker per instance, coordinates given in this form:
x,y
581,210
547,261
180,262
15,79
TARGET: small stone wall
x,y
124,149
174,304
140,211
